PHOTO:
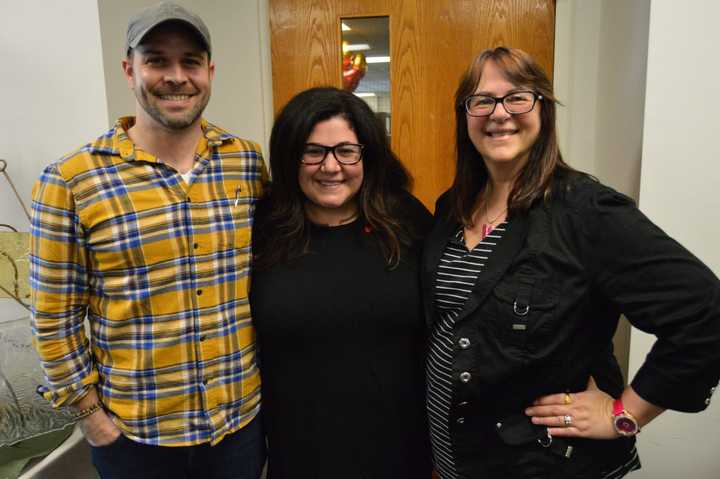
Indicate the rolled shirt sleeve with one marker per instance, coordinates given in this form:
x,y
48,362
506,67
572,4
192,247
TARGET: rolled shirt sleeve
x,y
59,282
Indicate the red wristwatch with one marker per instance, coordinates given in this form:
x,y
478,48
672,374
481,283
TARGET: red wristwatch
x,y
624,422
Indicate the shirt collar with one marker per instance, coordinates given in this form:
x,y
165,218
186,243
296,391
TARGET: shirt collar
x,y
213,136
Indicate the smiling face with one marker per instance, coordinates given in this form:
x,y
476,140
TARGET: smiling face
x,y
170,74
503,140
331,188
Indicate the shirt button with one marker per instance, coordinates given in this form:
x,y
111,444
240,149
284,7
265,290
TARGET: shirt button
x,y
460,420
498,425
707,401
203,337
465,376
464,343
196,245
199,292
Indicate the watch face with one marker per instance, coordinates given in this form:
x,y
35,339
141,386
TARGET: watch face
x,y
625,425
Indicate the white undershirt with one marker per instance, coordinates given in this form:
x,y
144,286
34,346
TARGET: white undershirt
x,y
185,176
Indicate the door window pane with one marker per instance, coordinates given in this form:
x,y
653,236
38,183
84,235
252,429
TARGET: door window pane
x,y
366,62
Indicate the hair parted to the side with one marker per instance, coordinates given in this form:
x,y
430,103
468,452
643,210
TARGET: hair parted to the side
x,y
283,233
535,180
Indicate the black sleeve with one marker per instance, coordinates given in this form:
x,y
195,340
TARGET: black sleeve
x,y
663,290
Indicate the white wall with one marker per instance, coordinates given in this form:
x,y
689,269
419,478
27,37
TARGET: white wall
x,y
600,59
622,60
241,100
577,31
52,92
680,173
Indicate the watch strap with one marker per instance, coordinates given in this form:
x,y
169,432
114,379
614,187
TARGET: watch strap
x,y
618,407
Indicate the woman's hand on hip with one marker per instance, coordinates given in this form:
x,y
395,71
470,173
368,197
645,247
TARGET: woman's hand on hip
x,y
585,414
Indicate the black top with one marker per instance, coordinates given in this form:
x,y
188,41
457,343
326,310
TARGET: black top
x,y
544,311
342,342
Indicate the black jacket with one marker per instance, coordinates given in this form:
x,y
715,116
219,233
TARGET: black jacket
x,y
575,263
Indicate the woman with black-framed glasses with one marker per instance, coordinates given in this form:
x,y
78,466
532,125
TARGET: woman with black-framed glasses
x,y
525,274
335,297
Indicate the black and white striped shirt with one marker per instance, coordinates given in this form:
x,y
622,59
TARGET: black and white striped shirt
x,y
457,273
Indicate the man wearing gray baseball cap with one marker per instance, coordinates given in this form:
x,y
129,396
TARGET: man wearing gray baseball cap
x,y
146,233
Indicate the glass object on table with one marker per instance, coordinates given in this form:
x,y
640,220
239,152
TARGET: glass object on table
x,y
23,413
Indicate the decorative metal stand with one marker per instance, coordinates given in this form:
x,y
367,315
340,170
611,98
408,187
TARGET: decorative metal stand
x,y
13,252
3,170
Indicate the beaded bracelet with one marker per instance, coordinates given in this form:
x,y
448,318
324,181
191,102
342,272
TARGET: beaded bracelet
x,y
83,413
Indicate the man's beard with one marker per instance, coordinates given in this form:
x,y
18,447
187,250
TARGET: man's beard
x,y
169,122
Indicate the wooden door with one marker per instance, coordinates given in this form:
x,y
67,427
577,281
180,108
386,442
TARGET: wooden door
x,y
431,44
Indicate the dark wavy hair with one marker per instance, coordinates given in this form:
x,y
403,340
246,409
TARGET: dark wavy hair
x,y
282,229
535,180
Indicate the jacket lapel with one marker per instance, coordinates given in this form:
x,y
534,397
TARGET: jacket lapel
x,y
500,259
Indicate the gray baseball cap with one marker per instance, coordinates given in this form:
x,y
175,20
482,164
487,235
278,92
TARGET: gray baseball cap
x,y
147,19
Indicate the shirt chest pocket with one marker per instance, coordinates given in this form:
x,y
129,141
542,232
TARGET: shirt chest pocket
x,y
522,309
237,212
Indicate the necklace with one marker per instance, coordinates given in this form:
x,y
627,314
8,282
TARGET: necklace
x,y
490,224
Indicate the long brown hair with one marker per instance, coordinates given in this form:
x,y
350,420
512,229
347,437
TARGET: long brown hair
x,y
283,230
534,181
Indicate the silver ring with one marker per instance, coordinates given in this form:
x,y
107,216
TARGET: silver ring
x,y
567,419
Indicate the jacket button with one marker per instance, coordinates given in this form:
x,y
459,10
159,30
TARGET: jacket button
x,y
465,376
464,343
707,401
460,420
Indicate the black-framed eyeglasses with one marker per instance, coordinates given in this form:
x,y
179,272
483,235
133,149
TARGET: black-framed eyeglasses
x,y
515,103
344,153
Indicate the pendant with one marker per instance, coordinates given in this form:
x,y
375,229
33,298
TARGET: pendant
x,y
486,229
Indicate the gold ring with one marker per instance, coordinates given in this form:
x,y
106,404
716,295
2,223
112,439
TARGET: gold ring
x,y
568,398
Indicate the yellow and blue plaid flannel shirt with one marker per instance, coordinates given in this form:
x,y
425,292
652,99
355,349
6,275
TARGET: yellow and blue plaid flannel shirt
x,y
161,270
